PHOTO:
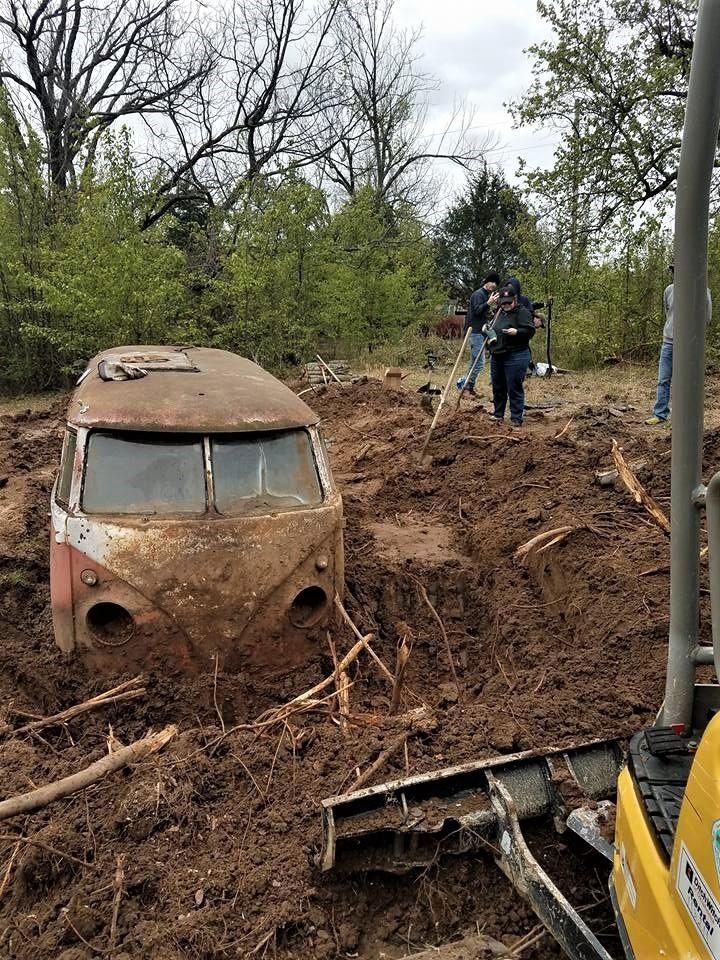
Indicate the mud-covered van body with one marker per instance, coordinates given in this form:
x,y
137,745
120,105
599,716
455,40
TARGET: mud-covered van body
x,y
194,514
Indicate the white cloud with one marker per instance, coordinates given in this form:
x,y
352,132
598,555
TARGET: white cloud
x,y
474,48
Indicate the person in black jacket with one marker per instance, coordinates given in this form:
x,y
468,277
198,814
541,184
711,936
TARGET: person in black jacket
x,y
479,312
508,342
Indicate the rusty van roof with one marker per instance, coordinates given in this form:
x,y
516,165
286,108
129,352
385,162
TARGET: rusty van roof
x,y
216,392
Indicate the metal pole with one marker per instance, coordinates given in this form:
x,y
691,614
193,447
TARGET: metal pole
x,y
697,155
548,334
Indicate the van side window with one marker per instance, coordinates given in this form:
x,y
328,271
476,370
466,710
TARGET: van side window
x,y
144,474
67,461
257,472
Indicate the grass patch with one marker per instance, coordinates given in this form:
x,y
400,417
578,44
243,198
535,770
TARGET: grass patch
x,y
16,577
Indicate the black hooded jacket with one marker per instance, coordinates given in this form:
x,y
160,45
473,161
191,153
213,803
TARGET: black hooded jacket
x,y
520,318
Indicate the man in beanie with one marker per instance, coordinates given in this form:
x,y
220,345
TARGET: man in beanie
x,y
508,343
661,410
479,313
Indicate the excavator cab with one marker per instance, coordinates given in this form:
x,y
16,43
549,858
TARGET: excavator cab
x,y
663,792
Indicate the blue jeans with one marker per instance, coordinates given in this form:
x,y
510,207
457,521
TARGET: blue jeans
x,y
507,371
476,342
662,403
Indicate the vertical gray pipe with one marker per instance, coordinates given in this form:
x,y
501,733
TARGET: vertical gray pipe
x,y
697,155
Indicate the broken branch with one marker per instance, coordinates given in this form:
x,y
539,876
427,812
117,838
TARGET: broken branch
x,y
362,639
546,538
395,747
448,648
118,883
34,842
639,493
37,799
125,691
497,436
8,871
331,372
564,429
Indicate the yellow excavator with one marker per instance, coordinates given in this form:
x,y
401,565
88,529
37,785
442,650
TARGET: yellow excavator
x,y
654,809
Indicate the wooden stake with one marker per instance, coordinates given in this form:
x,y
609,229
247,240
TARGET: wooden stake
x,y
331,372
37,799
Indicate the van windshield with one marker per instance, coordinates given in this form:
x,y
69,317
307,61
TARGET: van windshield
x,y
254,473
144,473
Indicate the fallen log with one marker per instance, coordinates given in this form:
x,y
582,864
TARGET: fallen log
x,y
42,796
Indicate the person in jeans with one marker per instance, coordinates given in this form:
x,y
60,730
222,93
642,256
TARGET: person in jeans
x,y
661,410
479,313
508,342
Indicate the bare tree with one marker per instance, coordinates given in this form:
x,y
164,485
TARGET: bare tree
x,y
265,109
76,67
380,137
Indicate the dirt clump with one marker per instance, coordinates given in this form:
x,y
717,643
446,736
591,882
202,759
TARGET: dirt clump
x,y
219,832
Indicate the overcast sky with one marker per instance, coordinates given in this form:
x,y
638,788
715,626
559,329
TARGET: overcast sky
x,y
475,49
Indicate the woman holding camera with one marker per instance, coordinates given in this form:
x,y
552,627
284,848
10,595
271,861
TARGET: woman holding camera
x,y
508,341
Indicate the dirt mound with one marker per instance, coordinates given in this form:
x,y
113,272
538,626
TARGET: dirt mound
x,y
219,832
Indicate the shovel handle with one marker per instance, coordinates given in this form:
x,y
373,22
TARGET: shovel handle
x,y
445,393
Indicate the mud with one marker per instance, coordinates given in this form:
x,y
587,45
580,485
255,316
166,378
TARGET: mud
x,y
220,830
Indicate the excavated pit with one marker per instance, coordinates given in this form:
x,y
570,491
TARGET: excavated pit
x,y
219,832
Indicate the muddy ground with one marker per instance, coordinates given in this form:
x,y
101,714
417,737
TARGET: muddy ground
x,y
219,833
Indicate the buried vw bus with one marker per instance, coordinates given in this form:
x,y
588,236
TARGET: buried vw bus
x,y
194,513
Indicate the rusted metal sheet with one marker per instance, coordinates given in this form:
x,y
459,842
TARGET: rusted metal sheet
x,y
222,393
193,587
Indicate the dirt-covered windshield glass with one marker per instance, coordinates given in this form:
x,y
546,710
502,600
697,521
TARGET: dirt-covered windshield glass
x,y
254,473
144,474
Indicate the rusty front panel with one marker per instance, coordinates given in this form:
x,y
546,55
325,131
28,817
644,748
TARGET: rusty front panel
x,y
209,585
61,594
227,394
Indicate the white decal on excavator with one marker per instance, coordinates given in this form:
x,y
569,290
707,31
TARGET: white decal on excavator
x,y
701,905
716,846
627,876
